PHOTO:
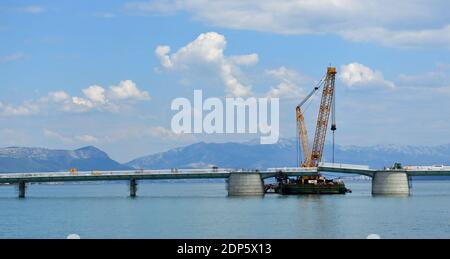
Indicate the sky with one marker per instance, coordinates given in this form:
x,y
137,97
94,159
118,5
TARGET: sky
x,y
104,73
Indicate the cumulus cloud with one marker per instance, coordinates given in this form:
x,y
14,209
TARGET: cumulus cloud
x,y
207,51
95,97
127,90
95,93
420,22
58,96
245,60
289,85
78,104
162,53
356,75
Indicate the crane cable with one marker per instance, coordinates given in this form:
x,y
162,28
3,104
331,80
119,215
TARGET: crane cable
x,y
333,121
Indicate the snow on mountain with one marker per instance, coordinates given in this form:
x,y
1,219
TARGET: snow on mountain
x,y
254,155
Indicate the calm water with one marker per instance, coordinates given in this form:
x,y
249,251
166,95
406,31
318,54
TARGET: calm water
x,y
203,210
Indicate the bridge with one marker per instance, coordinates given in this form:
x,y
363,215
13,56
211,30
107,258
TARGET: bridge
x,y
240,182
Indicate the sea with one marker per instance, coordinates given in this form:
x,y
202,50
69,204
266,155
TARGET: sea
x,y
202,210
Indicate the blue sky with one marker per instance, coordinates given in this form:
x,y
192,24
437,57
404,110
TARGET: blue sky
x,y
89,73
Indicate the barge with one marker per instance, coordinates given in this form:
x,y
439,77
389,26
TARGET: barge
x,y
307,185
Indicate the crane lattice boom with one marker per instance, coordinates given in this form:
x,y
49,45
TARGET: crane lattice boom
x,y
303,135
322,119
311,158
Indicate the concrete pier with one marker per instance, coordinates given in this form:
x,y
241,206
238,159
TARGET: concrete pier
x,y
245,184
390,183
133,188
22,187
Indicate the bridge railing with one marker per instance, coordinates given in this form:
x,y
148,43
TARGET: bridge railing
x,y
114,173
427,168
138,172
291,169
344,166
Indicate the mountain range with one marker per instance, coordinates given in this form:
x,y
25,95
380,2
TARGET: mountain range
x,y
229,155
23,159
284,154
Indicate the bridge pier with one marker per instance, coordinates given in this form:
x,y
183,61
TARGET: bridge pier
x,y
390,183
245,184
22,187
133,188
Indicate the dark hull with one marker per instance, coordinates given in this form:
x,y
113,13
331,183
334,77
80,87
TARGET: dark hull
x,y
289,189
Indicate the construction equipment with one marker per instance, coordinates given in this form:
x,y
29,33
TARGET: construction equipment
x,y
312,157
73,171
313,184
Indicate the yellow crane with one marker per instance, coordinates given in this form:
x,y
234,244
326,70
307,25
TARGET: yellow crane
x,y
312,157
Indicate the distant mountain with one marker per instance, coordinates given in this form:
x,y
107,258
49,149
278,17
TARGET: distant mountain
x,y
232,155
203,155
254,155
24,159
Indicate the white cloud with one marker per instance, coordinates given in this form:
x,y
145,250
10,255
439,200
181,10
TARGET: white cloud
x,y
12,57
127,90
27,108
58,96
245,60
289,85
207,52
78,104
402,23
95,93
162,53
356,75
95,97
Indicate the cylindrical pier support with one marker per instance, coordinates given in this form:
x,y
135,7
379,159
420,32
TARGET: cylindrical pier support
x,y
133,188
22,187
245,184
390,183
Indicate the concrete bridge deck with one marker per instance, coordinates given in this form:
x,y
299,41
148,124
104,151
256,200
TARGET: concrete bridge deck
x,y
173,174
386,181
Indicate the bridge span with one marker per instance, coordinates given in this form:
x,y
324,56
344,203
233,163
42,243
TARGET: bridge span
x,y
240,181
